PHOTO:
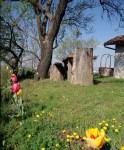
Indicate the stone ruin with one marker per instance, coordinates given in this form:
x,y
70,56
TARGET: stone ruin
x,y
77,68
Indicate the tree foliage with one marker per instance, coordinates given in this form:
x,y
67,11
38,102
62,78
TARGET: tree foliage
x,y
18,34
70,43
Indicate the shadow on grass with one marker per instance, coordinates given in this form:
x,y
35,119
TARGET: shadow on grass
x,y
2,136
96,81
107,146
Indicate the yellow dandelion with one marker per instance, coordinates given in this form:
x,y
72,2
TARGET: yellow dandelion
x,y
29,135
7,67
113,119
37,116
64,131
74,133
107,139
116,130
84,138
100,123
57,145
43,112
104,128
106,125
20,123
42,148
112,126
35,120
77,137
68,136
68,140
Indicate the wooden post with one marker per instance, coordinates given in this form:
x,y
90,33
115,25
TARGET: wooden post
x,y
82,71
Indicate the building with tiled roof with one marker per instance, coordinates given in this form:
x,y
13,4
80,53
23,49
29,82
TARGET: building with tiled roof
x,y
118,41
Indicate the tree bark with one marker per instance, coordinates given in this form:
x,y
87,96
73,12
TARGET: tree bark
x,y
47,34
46,57
82,71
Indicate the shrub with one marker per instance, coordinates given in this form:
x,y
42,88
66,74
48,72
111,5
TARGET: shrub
x,y
26,73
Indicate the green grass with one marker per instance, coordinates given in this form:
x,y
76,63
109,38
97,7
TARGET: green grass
x,y
63,106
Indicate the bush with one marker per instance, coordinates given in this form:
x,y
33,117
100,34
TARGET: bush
x,y
26,73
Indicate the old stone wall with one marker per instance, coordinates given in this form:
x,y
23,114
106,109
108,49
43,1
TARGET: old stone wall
x,y
119,62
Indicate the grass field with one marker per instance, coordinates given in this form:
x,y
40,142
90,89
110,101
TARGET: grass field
x,y
54,106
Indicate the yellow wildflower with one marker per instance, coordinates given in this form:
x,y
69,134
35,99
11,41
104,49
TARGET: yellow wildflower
x,y
7,67
42,148
68,136
57,145
35,120
29,135
37,116
68,140
116,130
64,131
84,138
122,148
77,137
100,123
43,112
107,139
95,138
74,133
104,128
106,125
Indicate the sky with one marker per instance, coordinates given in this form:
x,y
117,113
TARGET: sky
x,y
104,30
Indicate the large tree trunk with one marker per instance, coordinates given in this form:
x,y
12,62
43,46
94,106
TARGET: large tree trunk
x,y
48,28
46,57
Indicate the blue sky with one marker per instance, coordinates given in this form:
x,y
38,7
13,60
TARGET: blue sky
x,y
104,30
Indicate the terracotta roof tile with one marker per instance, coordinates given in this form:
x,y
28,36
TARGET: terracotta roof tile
x,y
115,40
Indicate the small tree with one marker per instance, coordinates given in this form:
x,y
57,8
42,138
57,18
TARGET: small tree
x,y
11,49
70,43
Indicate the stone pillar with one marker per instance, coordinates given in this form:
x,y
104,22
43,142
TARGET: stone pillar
x,y
82,71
